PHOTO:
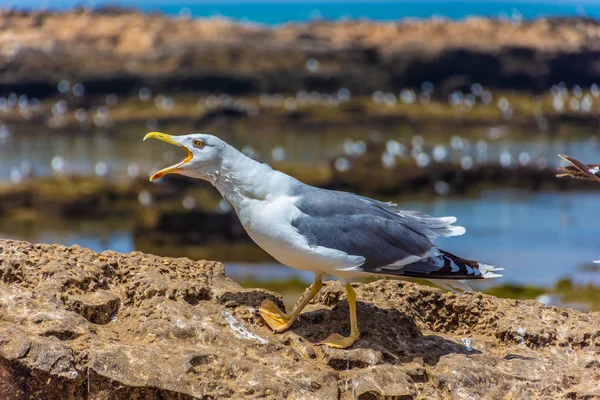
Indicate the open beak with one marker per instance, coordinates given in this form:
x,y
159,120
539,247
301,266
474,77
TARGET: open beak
x,y
173,168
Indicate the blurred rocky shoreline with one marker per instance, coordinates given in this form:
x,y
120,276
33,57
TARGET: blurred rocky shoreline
x,y
416,108
120,70
116,51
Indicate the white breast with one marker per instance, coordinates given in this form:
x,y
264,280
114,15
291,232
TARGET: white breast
x,y
268,223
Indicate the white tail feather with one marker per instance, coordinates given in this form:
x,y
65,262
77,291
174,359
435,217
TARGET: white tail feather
x,y
489,271
457,230
438,226
448,220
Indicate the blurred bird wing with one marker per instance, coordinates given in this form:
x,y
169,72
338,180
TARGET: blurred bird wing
x,y
578,170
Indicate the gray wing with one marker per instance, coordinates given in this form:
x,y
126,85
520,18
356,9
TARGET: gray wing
x,y
377,231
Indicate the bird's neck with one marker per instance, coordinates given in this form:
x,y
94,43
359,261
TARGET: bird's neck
x,y
241,179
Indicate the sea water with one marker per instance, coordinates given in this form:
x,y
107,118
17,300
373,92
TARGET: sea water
x,y
278,12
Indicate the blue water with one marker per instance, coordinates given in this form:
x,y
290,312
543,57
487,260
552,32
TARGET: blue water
x,y
277,12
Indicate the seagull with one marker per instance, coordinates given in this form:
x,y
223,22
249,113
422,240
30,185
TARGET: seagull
x,y
579,170
330,233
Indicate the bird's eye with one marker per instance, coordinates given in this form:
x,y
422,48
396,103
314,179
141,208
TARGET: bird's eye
x,y
198,143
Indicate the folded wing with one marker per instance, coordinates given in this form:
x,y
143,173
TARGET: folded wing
x,y
392,241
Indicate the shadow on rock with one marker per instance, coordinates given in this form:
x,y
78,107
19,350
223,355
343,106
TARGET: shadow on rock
x,y
387,336
251,298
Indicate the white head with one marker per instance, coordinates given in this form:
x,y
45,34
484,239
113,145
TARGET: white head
x,y
204,154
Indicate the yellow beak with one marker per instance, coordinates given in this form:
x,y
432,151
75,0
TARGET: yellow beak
x,y
173,168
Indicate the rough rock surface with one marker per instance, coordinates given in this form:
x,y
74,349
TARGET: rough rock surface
x,y
116,52
75,324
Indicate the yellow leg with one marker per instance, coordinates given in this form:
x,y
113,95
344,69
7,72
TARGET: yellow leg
x,y
278,320
338,341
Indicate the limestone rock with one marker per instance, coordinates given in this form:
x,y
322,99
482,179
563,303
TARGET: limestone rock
x,y
75,324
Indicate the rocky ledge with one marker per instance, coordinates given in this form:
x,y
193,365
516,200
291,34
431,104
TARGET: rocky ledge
x,y
75,324
118,52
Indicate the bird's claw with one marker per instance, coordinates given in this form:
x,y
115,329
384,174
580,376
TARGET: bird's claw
x,y
278,320
338,341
